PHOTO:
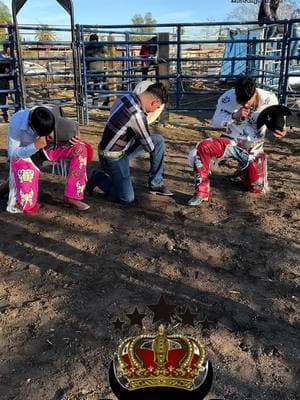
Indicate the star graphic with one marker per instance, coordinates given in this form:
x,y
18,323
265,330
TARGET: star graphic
x,y
187,318
136,318
118,324
162,311
206,324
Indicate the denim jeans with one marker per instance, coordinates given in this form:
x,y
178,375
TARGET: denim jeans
x,y
114,175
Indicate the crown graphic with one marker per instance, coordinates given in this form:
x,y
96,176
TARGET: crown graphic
x,y
159,360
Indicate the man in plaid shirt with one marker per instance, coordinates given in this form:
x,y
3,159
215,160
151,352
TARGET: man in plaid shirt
x,y
126,136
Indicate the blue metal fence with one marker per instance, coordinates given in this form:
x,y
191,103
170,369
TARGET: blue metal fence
x,y
201,68
8,77
198,61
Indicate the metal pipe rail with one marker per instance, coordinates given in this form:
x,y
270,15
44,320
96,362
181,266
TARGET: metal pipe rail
x,y
47,59
51,28
37,87
186,25
183,42
186,59
123,67
180,62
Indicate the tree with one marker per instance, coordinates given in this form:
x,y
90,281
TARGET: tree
x,y
45,35
249,12
5,15
287,8
242,13
138,19
5,18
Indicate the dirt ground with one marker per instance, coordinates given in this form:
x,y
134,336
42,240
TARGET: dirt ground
x,y
234,262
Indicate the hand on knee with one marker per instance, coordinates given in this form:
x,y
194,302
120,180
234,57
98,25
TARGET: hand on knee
x,y
80,149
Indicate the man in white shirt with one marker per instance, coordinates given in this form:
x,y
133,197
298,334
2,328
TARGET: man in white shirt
x,y
30,133
237,112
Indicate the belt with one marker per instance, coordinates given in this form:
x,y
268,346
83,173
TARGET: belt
x,y
111,154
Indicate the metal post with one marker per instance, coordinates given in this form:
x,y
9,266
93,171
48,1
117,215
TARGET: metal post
x,y
178,78
19,57
13,67
285,62
264,55
84,79
75,63
248,53
128,64
68,6
79,78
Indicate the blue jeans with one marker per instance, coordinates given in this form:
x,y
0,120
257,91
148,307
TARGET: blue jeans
x,y
114,176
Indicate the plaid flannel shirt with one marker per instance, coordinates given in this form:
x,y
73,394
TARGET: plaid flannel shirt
x,y
126,124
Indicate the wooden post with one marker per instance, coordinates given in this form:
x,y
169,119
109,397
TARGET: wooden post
x,y
164,68
112,65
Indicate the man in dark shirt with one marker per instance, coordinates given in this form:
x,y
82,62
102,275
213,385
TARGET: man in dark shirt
x,y
148,52
268,10
97,68
126,136
268,13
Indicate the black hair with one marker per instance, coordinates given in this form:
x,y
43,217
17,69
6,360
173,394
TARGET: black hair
x,y
6,46
158,90
244,89
41,121
94,37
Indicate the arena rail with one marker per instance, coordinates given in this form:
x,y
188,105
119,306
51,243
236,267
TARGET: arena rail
x,y
197,61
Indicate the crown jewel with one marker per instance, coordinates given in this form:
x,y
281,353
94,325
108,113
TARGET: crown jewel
x,y
161,360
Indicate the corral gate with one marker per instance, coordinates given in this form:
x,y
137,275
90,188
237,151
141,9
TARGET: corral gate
x,y
191,59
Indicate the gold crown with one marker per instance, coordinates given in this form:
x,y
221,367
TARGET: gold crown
x,y
160,360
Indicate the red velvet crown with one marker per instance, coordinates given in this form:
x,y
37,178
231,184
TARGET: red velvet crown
x,y
160,360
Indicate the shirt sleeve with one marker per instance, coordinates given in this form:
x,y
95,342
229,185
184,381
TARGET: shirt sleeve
x,y
223,114
139,125
14,148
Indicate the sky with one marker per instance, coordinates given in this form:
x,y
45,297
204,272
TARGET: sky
x,y
101,12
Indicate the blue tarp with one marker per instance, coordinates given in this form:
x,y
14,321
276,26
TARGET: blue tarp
x,y
241,67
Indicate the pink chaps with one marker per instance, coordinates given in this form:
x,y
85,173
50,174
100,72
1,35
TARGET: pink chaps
x,y
26,174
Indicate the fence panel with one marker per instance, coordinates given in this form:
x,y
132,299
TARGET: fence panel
x,y
202,61
9,89
198,62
